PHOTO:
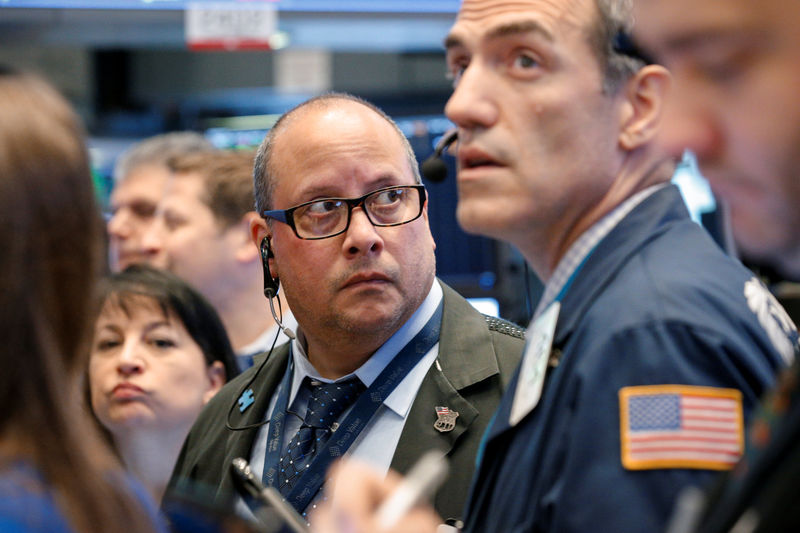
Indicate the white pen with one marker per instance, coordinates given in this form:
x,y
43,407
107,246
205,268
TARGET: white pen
x,y
423,479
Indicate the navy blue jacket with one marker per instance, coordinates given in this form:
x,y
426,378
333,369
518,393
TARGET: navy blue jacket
x,y
657,302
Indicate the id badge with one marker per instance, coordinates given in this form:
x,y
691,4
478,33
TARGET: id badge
x,y
534,363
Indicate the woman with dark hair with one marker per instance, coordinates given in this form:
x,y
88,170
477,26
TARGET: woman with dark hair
x,y
56,472
159,353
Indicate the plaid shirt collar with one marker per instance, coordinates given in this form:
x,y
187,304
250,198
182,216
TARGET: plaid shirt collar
x,y
582,247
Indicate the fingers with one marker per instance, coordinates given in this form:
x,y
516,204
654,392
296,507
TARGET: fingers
x,y
355,491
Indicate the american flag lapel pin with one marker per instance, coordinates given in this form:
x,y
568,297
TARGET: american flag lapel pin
x,y
445,419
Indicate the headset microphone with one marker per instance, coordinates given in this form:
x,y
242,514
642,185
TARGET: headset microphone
x,y
433,168
271,286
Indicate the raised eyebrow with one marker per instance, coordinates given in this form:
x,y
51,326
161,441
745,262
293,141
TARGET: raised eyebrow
x,y
451,41
385,180
316,192
505,30
516,28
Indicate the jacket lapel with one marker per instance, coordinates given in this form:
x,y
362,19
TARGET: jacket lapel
x,y
466,356
263,387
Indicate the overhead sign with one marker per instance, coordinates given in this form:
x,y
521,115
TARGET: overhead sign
x,y
303,70
230,26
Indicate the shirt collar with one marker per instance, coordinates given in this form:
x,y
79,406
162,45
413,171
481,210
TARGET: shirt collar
x,y
582,247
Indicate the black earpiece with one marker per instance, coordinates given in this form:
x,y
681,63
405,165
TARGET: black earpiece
x,y
626,45
271,285
433,168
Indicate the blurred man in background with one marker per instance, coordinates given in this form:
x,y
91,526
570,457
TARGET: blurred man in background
x,y
202,233
140,176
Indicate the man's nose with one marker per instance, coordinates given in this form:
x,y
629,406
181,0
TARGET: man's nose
x,y
119,225
472,103
361,236
152,241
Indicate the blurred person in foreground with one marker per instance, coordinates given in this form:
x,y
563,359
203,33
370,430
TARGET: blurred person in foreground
x,y
734,105
737,76
56,473
388,361
202,233
159,354
650,347
140,176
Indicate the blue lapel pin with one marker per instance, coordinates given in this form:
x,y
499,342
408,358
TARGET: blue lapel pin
x,y
245,400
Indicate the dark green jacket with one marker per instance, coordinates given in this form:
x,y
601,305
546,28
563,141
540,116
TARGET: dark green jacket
x,y
477,355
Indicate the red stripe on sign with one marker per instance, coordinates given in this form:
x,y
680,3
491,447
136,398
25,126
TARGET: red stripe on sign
x,y
229,44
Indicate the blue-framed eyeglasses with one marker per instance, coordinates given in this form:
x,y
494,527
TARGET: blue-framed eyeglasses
x,y
328,217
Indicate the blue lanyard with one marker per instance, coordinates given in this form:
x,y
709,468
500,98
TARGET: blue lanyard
x,y
568,283
364,408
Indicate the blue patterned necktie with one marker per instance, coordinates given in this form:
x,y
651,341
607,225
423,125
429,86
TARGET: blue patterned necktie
x,y
326,403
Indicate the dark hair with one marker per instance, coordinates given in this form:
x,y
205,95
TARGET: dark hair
x,y
227,177
51,242
263,172
614,19
173,296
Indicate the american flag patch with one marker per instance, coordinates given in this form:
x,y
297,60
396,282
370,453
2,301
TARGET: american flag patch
x,y
680,426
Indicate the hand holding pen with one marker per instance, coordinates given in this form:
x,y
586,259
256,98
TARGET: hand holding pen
x,y
362,501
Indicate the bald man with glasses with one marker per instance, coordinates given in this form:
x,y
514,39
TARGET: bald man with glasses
x,y
401,362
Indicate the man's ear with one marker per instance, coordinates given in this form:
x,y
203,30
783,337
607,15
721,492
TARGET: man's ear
x,y
644,96
216,379
258,228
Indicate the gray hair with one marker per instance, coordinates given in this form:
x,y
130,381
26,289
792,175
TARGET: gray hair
x,y
614,17
263,172
158,150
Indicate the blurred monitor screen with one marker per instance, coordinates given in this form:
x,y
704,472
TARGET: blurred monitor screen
x,y
694,188
487,306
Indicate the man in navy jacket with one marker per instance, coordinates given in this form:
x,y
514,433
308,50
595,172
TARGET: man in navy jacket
x,y
650,346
